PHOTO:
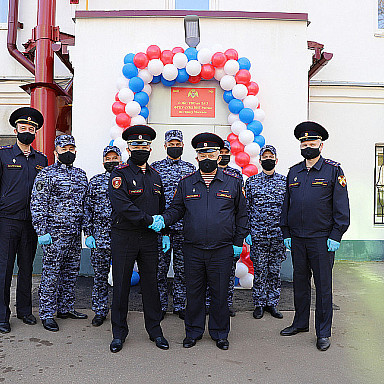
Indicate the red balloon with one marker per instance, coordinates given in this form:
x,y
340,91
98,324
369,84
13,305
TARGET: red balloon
x,y
123,120
247,260
231,54
250,170
177,50
258,106
218,59
140,60
194,79
117,96
207,71
236,147
153,52
243,77
118,107
167,57
244,251
232,137
253,88
251,269
242,159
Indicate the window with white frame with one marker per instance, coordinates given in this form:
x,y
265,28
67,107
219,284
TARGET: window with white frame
x,y
195,5
380,14
3,11
379,184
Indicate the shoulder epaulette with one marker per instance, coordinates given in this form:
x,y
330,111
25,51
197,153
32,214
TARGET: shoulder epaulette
x,y
122,166
41,153
150,166
6,146
189,174
230,173
334,163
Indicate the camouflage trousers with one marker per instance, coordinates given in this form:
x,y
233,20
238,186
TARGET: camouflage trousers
x,y
61,264
267,255
101,263
179,290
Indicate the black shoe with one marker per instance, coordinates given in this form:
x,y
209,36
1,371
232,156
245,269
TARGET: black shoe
x,y
5,327
28,319
273,311
323,343
163,313
116,345
222,344
258,313
232,312
180,313
72,315
98,320
188,342
50,325
161,342
291,330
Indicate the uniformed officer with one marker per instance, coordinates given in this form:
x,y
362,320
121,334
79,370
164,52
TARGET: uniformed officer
x,y
265,195
212,203
136,193
225,154
19,165
97,229
314,217
172,169
57,208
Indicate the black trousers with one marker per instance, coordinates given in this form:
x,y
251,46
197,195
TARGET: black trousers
x,y
128,246
311,256
212,267
16,237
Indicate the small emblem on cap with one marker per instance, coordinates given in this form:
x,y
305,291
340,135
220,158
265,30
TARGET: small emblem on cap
x,y
306,134
140,137
205,144
29,118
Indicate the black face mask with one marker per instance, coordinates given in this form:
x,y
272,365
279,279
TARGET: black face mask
x,y
110,165
225,159
67,157
310,153
174,152
268,164
207,165
139,156
25,137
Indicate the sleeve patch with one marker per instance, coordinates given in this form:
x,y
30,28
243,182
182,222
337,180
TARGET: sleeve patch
x,y
342,180
39,186
116,182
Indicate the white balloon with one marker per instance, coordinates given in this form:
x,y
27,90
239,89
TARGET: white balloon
x,y
246,137
145,75
180,60
122,82
170,72
115,132
124,155
132,108
125,95
231,67
228,82
238,126
204,55
147,89
138,120
193,68
252,149
246,281
241,270
120,143
251,101
259,114
219,74
232,117
239,91
155,67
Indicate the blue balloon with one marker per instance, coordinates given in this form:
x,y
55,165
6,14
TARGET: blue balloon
x,y
235,105
156,79
130,70
259,140
191,53
183,76
144,112
129,58
256,127
142,98
237,281
244,63
227,96
136,84
167,83
111,143
135,278
246,115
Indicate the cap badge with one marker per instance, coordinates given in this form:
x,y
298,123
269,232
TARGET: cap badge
x,y
306,134
140,137
205,144
29,118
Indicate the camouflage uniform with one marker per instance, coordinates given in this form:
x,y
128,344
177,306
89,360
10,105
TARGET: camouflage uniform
x,y
171,172
57,208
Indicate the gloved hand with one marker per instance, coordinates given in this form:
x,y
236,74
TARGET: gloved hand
x,y
90,242
237,251
288,243
45,239
332,245
166,243
157,224
248,239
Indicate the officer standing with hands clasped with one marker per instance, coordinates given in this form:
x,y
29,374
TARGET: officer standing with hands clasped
x,y
136,194
19,165
212,203
314,217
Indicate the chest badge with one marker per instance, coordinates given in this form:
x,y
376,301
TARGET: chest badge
x,y
14,161
295,179
134,182
194,190
116,182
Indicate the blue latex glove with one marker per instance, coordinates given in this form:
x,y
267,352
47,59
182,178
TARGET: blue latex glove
x,y
157,224
90,242
166,243
248,239
333,245
45,239
288,243
237,251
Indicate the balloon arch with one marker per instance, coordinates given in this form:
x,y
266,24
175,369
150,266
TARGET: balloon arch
x,y
169,67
